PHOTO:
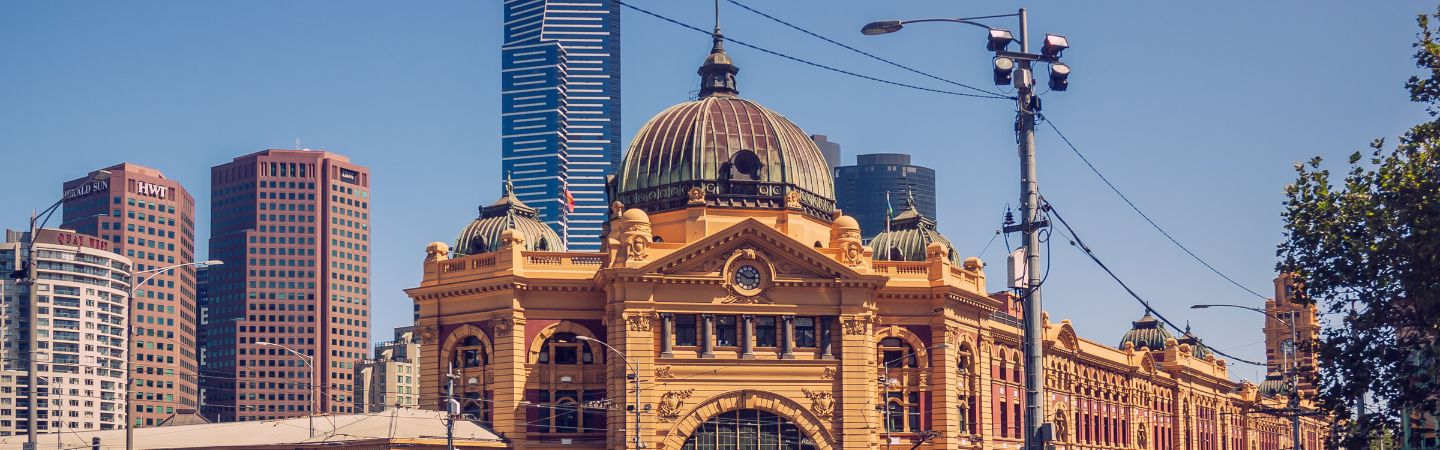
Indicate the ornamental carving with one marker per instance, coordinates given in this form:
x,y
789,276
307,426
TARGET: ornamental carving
x,y
856,325
668,408
640,321
850,234
663,372
428,334
852,253
638,227
822,404
697,196
636,246
1140,437
503,326
952,334
792,200
747,253
735,298
828,374
616,208
1062,430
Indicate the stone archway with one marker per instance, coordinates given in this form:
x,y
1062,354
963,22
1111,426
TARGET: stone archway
x,y
785,409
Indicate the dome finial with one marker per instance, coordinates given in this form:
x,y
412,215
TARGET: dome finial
x,y
509,186
717,75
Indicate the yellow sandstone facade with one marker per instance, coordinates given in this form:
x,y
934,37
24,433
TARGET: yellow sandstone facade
x,y
756,318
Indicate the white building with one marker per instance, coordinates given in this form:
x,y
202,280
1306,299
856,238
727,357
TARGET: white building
x,y
392,377
81,317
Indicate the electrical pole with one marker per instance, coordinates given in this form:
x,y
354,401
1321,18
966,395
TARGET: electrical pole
x,y
1026,105
1294,387
30,368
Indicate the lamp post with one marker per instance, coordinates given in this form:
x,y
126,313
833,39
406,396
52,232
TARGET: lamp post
x,y
1292,371
1015,68
634,378
36,223
309,363
129,347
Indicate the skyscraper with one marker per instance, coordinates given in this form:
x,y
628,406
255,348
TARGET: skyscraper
x,y
151,219
829,148
860,190
80,318
293,229
560,110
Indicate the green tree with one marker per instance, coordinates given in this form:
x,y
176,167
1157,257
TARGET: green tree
x,y
1368,249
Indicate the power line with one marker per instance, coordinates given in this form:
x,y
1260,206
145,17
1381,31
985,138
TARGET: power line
x,y
807,62
1142,213
1075,241
862,52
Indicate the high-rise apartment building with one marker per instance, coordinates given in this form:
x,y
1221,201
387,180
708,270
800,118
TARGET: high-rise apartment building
x,y
560,110
150,219
392,378
293,227
81,314
860,190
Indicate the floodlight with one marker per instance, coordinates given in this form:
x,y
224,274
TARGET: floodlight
x,y
1003,68
1059,76
998,40
1054,44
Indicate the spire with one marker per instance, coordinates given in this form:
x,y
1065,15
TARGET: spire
x,y
509,186
717,75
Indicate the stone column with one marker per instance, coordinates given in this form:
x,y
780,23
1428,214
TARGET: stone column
x,y
787,339
509,383
707,336
944,387
747,337
856,404
827,324
667,335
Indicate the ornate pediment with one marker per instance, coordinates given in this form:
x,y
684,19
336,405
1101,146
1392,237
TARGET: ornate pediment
x,y
751,240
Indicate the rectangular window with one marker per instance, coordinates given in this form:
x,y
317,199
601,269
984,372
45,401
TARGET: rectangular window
x,y
765,331
685,329
804,331
725,331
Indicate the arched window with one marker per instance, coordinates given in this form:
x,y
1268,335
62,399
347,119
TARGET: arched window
x,y
470,359
903,392
542,245
566,396
967,401
476,245
749,429
471,353
564,348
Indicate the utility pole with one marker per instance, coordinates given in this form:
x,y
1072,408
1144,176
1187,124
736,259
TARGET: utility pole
x,y
30,368
1026,106
1294,386
452,408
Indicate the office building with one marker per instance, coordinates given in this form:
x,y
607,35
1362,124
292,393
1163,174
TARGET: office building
x,y
293,227
560,110
150,219
861,190
80,320
830,149
391,379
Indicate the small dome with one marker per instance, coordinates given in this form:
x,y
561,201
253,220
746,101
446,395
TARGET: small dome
x,y
635,215
1274,385
844,222
739,153
1146,332
910,234
486,233
1197,349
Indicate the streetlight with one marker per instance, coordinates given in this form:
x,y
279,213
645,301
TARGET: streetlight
x,y
1015,68
1293,371
634,377
129,347
33,298
309,363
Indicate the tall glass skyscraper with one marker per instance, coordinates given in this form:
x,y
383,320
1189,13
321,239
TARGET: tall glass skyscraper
x,y
560,110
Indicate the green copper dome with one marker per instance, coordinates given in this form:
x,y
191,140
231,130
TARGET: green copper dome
x,y
1196,348
1146,332
1274,385
483,234
731,152
910,233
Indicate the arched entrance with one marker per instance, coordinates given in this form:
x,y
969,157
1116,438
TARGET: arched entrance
x,y
750,429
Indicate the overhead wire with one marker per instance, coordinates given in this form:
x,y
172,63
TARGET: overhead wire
x,y
862,52
1142,214
1078,243
805,61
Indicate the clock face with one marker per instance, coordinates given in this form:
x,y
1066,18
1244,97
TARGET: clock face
x,y
747,277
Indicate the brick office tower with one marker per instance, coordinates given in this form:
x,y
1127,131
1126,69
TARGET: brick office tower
x,y
294,229
151,219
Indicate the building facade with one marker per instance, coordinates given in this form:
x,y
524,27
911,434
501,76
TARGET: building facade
x,y
732,306
150,219
293,227
861,190
391,379
828,148
560,110
80,320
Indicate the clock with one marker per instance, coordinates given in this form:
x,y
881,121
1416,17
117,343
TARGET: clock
x,y
747,277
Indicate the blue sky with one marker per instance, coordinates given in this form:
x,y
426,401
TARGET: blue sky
x,y
1197,110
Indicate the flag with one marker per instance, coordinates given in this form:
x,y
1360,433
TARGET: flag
x,y
569,198
889,211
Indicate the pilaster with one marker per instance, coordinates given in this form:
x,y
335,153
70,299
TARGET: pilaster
x,y
509,365
858,385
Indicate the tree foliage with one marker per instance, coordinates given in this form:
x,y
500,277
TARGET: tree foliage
x,y
1366,247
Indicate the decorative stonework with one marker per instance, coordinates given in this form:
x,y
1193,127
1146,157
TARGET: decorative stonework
x,y
663,372
503,326
952,335
428,334
856,325
852,253
822,404
671,402
697,197
828,374
792,200
742,299
641,321
1140,437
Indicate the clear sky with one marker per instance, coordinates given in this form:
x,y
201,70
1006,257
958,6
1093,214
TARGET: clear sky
x,y
1196,110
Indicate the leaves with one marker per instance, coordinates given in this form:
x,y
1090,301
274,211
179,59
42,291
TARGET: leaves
x,y
1367,247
